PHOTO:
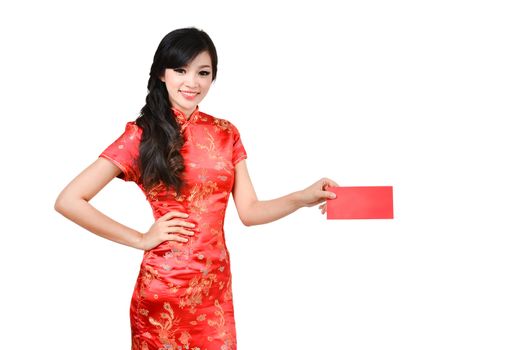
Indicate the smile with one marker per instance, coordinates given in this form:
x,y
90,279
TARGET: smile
x,y
188,93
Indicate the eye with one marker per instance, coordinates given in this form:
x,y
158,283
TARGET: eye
x,y
179,70
204,73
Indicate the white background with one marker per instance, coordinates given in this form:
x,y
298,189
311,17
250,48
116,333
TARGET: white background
x,y
414,94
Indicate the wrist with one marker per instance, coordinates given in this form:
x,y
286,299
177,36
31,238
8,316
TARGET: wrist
x,y
138,244
297,199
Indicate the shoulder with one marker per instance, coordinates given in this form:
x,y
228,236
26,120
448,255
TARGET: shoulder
x,y
132,130
132,125
220,124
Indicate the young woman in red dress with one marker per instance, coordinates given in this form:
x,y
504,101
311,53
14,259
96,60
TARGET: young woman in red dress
x,y
187,163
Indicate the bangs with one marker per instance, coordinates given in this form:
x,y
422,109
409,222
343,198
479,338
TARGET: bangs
x,y
179,47
183,52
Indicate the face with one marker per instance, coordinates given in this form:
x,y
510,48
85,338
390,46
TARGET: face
x,y
188,85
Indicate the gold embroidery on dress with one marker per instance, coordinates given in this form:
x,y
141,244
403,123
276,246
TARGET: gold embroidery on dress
x,y
219,245
222,124
218,312
172,287
213,153
198,286
166,332
198,197
228,292
180,257
149,275
222,330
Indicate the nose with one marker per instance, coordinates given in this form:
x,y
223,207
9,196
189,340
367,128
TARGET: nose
x,y
190,80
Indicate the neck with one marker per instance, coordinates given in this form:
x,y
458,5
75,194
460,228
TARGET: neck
x,y
186,114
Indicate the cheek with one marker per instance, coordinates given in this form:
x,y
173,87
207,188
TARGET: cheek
x,y
206,86
171,85
172,89
171,81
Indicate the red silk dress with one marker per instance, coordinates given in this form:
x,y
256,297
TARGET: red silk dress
x,y
182,298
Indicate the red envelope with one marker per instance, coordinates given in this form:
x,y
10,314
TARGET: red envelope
x,y
361,202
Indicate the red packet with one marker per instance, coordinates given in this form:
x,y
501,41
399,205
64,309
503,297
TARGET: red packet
x,y
361,202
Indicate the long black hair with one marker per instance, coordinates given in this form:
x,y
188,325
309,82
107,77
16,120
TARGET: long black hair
x,y
160,160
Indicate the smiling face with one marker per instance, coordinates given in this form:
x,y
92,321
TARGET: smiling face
x,y
188,85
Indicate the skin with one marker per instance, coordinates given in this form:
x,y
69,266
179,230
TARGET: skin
x,y
73,201
195,77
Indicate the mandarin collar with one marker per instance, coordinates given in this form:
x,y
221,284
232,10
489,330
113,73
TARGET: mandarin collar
x,y
182,119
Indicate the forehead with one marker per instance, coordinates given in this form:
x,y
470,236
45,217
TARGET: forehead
x,y
201,60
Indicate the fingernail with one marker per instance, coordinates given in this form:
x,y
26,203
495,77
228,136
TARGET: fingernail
x,y
333,195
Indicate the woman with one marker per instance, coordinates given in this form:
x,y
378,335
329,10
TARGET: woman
x,y
187,163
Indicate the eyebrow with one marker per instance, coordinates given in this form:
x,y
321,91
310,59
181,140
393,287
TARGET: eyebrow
x,y
203,66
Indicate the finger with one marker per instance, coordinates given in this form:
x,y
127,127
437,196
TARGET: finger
x,y
171,214
332,183
175,222
328,183
177,238
328,195
180,230
325,195
187,232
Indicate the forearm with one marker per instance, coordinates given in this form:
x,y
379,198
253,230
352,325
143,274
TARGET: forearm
x,y
263,212
84,214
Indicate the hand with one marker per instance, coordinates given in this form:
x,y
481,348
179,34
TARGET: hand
x,y
316,194
169,227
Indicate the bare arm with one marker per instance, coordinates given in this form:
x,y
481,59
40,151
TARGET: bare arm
x,y
255,212
73,203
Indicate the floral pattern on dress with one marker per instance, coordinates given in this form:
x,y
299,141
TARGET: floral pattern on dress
x,y
182,297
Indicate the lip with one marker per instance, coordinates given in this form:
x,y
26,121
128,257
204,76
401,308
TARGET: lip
x,y
190,95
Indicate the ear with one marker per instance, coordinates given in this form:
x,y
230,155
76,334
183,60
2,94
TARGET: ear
x,y
162,76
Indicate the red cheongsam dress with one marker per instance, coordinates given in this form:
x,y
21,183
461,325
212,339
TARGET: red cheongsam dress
x,y
182,298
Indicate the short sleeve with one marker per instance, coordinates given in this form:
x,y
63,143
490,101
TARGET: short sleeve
x,y
238,153
124,152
